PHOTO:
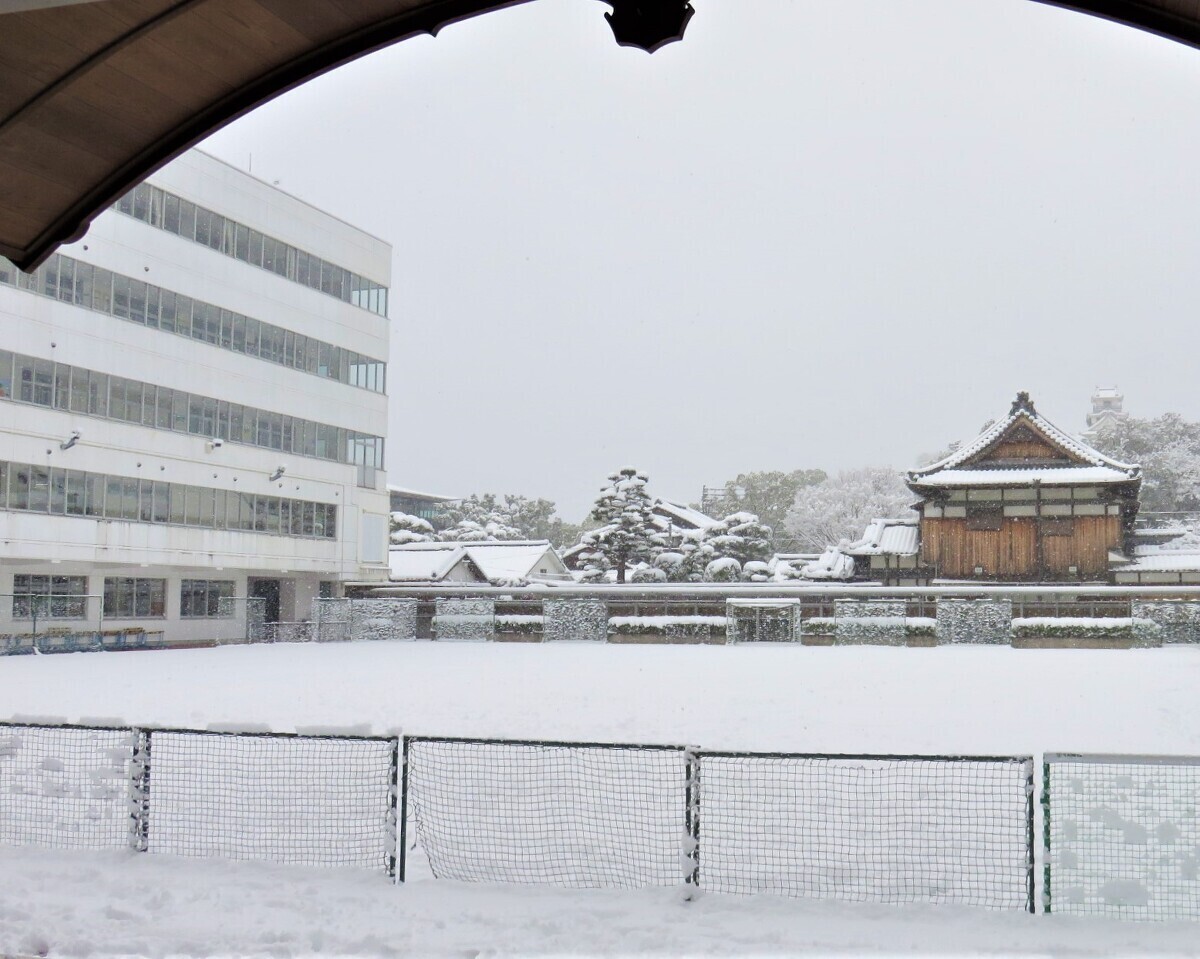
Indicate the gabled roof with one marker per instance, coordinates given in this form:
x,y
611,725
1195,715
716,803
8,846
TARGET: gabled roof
x,y
497,562
409,564
967,465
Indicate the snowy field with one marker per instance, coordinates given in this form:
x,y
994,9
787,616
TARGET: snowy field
x,y
980,700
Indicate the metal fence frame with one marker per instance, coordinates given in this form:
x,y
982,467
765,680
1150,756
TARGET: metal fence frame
x,y
141,769
693,808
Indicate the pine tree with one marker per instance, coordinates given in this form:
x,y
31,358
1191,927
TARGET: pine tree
x,y
627,534
406,528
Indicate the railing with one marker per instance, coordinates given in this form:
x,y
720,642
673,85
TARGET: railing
x,y
1114,616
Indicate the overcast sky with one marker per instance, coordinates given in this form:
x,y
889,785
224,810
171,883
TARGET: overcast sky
x,y
812,234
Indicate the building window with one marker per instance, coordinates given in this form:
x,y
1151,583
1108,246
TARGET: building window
x,y
50,597
985,519
128,598
148,305
201,598
326,589
175,215
41,489
157,407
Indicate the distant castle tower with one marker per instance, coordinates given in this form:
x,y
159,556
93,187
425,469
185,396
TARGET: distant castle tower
x,y
1107,410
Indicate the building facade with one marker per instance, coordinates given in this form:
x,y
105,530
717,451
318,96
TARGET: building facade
x,y
1024,501
193,412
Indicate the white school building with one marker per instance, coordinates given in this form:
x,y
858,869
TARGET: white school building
x,y
192,411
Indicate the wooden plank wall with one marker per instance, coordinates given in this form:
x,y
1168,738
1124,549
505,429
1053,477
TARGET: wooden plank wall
x,y
1012,551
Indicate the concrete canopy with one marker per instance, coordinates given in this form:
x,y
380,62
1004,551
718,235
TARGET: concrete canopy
x,y
97,94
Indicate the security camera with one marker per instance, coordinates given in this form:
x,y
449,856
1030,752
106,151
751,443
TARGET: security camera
x,y
70,440
218,443
279,471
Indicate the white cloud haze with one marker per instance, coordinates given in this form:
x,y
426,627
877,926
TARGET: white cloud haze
x,y
809,235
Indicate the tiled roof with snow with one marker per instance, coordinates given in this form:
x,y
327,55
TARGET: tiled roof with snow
x,y
1181,554
1164,562
896,536
946,471
1024,475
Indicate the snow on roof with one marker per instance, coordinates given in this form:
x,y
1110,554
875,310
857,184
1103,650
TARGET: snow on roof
x,y
502,561
1179,554
1164,562
888,535
515,559
417,494
1023,476
411,564
684,515
1022,410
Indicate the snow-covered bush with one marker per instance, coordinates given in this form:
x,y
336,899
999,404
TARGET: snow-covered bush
x,y
756,572
662,625
648,574
1070,627
672,565
519,624
724,570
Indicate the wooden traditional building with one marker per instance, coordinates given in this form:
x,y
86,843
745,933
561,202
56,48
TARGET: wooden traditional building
x,y
1025,501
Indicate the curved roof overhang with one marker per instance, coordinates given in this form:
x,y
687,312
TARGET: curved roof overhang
x,y
97,94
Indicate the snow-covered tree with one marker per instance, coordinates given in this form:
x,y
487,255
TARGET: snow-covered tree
x,y
740,536
1168,450
406,528
493,529
627,533
842,506
530,518
768,494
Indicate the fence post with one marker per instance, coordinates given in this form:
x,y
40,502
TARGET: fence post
x,y
403,811
1046,835
139,791
1031,835
393,790
691,840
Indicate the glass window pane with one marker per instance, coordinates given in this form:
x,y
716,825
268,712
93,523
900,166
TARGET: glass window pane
x,y
102,290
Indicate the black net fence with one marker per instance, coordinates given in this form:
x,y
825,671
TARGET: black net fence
x,y
869,829
1122,836
66,786
313,800
879,829
325,801
556,813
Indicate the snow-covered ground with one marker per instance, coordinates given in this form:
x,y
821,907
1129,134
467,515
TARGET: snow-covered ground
x,y
981,700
